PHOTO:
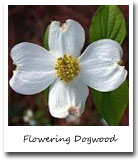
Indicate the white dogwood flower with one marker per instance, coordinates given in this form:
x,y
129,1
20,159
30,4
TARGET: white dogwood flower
x,y
68,72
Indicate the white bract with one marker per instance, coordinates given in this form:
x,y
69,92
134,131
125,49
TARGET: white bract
x,y
68,72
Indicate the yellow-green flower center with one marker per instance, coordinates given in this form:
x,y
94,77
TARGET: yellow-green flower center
x,y
67,68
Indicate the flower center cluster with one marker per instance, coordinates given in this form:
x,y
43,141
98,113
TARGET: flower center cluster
x,y
67,68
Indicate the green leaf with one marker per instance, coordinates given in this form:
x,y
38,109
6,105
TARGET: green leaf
x,y
108,23
46,38
46,91
111,105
